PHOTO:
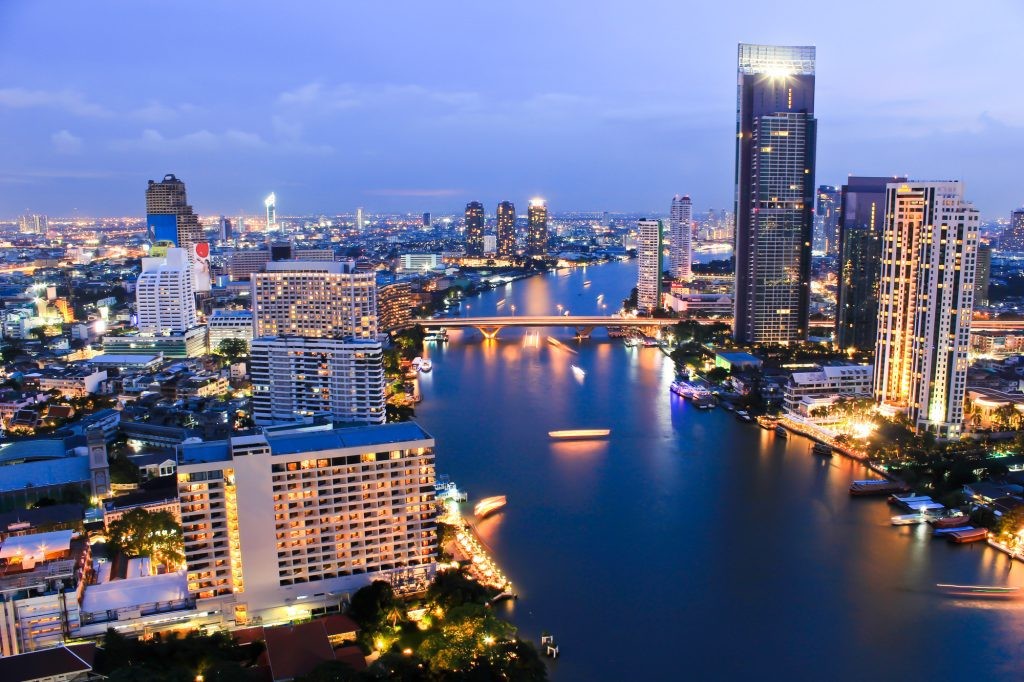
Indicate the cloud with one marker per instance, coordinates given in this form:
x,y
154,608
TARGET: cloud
x,y
153,140
317,96
66,143
413,192
158,112
70,101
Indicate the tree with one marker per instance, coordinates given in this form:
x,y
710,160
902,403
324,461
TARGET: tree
x,y
330,671
370,604
156,535
233,349
454,588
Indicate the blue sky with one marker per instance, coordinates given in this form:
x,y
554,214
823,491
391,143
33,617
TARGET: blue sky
x,y
415,106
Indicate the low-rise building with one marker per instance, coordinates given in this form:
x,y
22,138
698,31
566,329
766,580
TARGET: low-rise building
x,y
229,324
72,382
808,389
189,344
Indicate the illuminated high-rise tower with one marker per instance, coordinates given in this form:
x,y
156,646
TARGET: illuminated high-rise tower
x,y
775,144
537,230
271,205
925,303
826,221
474,229
360,219
648,278
168,215
1012,238
506,230
680,238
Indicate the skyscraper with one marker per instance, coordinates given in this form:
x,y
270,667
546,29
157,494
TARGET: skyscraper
x,y
861,217
315,299
826,221
982,275
360,219
680,238
1012,238
506,230
474,229
168,214
271,205
33,224
537,230
164,297
648,279
224,229
925,302
775,143
426,220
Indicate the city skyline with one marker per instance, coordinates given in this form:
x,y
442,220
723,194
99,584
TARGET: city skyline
x,y
381,132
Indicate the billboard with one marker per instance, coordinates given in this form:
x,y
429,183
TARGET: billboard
x,y
201,266
162,227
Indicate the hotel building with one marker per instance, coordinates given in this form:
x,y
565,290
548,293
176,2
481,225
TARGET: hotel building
x,y
537,229
506,230
474,229
680,239
648,282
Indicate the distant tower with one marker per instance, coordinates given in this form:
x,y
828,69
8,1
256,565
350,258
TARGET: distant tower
x,y
982,275
99,467
271,205
168,214
648,282
826,221
360,220
537,232
775,143
426,219
1012,238
680,238
224,229
506,230
474,229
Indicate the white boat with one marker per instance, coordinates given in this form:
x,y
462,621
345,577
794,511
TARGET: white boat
x,y
417,361
908,519
579,372
426,366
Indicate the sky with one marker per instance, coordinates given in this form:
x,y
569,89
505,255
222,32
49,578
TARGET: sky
x,y
405,106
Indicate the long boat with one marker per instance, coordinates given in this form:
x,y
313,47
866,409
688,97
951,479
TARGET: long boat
x,y
961,537
879,486
980,591
579,434
949,521
941,532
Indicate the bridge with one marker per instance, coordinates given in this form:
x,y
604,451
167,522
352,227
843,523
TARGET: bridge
x,y
583,324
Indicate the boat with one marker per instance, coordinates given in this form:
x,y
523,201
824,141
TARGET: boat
x,y
940,532
744,416
417,361
962,537
579,434
904,499
879,486
821,450
958,521
980,591
766,422
578,371
426,366
489,505
908,519
680,389
500,303
586,283
781,432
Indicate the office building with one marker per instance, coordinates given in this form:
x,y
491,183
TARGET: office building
x,y
229,324
648,282
1012,238
360,219
295,377
925,302
861,216
270,203
33,224
169,218
775,143
474,229
243,263
164,298
314,298
280,524
537,229
982,275
394,305
506,230
680,238
224,229
419,262
426,220
826,221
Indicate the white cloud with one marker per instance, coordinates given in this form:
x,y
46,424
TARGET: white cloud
x,y
66,143
68,100
153,140
158,112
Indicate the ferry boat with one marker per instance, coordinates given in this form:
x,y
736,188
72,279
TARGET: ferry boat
x,y
766,422
781,432
821,450
426,366
579,434
876,486
489,505
961,537
980,591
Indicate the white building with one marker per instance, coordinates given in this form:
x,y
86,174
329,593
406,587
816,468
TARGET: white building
x,y
680,238
276,525
490,244
229,324
297,377
317,299
164,298
925,303
419,262
648,283
806,390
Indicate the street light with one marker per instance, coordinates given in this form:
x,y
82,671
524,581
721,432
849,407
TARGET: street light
x,y
513,310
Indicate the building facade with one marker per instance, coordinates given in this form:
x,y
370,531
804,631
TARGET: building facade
x,y
681,239
297,377
279,524
806,390
270,203
164,297
649,253
315,299
506,231
1012,238
474,229
982,275
775,145
862,214
537,229
394,305
925,303
169,216
229,324
826,221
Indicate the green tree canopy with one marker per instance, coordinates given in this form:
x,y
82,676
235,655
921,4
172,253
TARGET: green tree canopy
x,y
233,349
156,535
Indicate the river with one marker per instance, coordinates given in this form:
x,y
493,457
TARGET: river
x,y
690,544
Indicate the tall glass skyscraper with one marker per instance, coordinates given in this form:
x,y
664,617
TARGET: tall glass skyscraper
x,y
506,230
271,205
474,229
537,230
775,143
826,221
680,238
861,219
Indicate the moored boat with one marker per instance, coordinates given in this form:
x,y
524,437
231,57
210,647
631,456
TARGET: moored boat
x,y
964,536
822,450
426,366
908,519
579,434
878,486
744,416
958,521
781,432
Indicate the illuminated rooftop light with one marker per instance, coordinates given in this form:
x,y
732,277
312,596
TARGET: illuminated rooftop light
x,y
537,201
270,200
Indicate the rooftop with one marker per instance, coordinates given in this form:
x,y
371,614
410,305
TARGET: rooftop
x,y
289,443
59,662
60,471
128,592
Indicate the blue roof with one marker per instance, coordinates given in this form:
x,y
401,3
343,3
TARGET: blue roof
x,y
46,472
738,355
40,448
214,451
351,437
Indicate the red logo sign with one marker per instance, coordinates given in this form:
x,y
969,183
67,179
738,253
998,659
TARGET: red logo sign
x,y
203,249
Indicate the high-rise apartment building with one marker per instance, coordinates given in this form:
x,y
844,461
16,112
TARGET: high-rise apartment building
x,y
270,203
506,230
826,220
775,143
925,303
164,298
680,237
295,377
982,275
537,228
861,217
648,279
1012,238
474,229
168,214
360,219
224,229
279,524
394,305
426,220
33,224
315,299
